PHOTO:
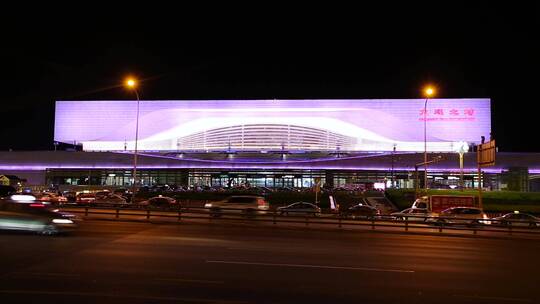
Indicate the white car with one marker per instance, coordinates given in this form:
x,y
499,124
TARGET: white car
x,y
246,204
461,215
517,219
411,215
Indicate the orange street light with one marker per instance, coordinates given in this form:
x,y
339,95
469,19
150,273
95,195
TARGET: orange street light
x,y
429,91
131,83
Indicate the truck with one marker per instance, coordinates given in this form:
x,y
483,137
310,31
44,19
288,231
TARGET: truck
x,y
438,203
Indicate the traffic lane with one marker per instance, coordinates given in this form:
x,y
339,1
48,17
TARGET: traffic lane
x,y
331,223
234,260
201,215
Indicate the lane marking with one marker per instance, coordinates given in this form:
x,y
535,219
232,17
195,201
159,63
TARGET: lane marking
x,y
47,274
189,281
109,295
312,266
494,298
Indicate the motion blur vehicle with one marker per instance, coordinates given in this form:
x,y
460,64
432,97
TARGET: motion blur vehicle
x,y
247,204
300,208
460,215
24,213
516,219
360,211
411,215
160,201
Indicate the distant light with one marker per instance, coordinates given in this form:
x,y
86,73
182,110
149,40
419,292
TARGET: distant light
x,y
429,91
516,211
131,83
461,147
379,186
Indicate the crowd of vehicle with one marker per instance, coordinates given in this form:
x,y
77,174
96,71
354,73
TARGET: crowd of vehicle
x,y
40,213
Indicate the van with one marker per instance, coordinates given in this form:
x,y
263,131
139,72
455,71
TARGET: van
x,y
438,203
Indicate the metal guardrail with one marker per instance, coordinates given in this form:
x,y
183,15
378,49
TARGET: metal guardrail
x,y
273,216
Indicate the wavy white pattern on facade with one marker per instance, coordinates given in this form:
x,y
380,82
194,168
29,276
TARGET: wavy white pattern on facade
x,y
266,137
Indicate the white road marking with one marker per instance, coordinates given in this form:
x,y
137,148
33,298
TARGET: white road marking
x,y
495,298
46,274
313,266
189,281
109,295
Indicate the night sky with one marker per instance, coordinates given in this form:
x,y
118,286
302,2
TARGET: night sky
x,y
365,52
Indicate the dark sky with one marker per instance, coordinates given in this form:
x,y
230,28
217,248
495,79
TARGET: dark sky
x,y
387,51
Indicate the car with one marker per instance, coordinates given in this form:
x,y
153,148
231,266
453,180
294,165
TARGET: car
x,y
247,204
71,196
102,194
52,198
516,219
26,214
460,215
411,215
110,199
160,201
300,208
85,198
361,211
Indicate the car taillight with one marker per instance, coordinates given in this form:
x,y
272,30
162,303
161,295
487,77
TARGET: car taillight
x,y
37,205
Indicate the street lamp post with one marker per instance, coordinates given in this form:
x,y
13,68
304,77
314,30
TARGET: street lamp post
x,y
461,148
132,84
429,91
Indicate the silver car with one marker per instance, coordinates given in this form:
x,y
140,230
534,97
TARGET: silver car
x,y
461,215
517,219
300,208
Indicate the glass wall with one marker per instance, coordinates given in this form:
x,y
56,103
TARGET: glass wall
x,y
267,178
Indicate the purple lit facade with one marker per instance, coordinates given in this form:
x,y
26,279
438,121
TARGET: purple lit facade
x,y
254,125
270,143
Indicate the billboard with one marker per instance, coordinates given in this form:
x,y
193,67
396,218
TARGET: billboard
x,y
265,125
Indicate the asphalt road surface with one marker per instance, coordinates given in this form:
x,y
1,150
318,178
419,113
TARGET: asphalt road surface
x,y
130,262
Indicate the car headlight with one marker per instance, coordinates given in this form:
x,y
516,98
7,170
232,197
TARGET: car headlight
x,y
207,205
62,221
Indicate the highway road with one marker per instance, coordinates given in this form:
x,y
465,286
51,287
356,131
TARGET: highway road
x,y
130,262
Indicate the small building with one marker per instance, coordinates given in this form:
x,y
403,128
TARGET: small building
x,y
11,180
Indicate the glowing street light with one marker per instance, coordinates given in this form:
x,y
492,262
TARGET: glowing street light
x,y
131,84
429,91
